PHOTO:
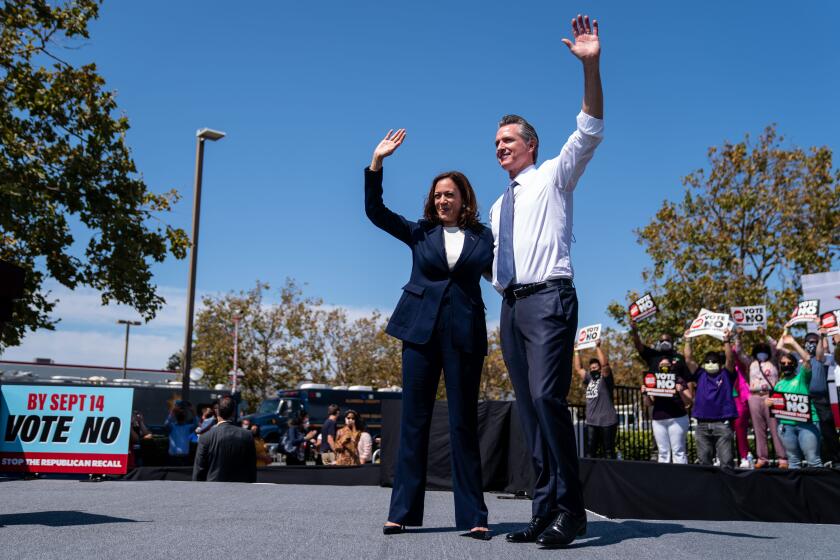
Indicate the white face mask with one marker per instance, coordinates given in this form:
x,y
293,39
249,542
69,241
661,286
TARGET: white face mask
x,y
762,356
712,367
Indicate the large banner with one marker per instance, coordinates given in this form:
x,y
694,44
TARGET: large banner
x,y
64,429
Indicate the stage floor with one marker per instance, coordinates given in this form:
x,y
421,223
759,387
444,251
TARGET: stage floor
x,y
63,519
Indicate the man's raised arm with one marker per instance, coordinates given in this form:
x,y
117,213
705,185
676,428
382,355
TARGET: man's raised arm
x,y
587,48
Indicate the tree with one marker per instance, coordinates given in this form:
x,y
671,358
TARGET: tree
x,y
278,343
174,362
495,381
63,160
742,234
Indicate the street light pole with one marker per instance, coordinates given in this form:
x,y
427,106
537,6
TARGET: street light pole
x,y
235,353
127,328
201,136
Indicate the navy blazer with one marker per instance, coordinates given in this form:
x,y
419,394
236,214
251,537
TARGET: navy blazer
x,y
416,313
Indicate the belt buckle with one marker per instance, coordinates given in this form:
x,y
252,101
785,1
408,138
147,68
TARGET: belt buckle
x,y
520,292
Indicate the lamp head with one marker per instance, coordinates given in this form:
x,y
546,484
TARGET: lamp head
x,y
209,134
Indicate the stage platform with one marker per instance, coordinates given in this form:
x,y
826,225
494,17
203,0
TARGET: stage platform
x,y
60,519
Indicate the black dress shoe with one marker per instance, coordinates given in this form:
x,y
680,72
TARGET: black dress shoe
x,y
563,531
531,531
393,529
479,535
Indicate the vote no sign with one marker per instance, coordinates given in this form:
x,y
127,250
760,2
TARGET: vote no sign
x,y
661,384
588,336
64,429
790,406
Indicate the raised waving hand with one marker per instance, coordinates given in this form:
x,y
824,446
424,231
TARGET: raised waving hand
x,y
587,45
386,147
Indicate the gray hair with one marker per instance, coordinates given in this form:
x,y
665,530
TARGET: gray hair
x,y
526,131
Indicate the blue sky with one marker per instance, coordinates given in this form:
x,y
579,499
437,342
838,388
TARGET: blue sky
x,y
305,90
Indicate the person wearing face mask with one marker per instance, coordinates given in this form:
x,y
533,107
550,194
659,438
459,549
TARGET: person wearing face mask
x,y
763,375
440,320
800,438
601,418
816,345
714,404
663,348
670,416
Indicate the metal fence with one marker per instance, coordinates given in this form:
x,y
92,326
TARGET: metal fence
x,y
634,438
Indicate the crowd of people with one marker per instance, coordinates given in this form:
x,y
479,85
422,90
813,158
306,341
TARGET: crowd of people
x,y
336,444
725,392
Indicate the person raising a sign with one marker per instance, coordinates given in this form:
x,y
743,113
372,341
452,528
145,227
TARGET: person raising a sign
x,y
714,404
664,348
763,375
800,435
817,347
601,418
670,416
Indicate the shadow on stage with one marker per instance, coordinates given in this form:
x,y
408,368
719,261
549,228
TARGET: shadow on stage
x,y
60,519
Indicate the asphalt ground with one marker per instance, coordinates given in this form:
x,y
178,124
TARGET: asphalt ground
x,y
69,519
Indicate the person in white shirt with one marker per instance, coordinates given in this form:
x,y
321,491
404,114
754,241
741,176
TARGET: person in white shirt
x,y
532,269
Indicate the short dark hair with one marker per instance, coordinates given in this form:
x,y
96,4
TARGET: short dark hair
x,y
594,361
468,216
526,131
333,409
227,408
712,356
813,336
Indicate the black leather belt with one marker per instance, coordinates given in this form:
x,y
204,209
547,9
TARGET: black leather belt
x,y
519,291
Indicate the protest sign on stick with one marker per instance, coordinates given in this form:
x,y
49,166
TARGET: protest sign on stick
x,y
588,336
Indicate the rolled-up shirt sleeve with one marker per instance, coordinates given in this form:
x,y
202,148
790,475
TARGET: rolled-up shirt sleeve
x,y
577,152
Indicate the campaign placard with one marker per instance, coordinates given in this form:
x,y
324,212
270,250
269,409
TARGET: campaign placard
x,y
642,308
661,384
65,429
749,318
830,321
807,311
710,324
790,406
588,336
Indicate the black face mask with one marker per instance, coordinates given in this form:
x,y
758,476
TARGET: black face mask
x,y
595,374
788,369
811,347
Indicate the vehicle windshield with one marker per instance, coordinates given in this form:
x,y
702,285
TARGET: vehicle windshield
x,y
269,406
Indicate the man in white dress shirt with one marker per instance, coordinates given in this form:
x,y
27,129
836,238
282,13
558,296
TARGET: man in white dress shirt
x,y
532,227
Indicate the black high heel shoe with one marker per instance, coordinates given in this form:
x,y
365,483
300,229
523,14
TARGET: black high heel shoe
x,y
393,529
479,535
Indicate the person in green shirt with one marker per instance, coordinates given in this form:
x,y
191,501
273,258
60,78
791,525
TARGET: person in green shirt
x,y
800,438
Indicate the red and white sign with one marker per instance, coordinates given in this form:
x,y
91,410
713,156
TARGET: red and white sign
x,y
709,324
750,318
642,308
831,322
588,336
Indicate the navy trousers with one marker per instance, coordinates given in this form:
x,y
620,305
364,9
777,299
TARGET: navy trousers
x,y
421,367
538,334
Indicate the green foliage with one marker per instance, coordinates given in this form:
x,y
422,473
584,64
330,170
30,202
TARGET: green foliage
x,y
63,161
743,233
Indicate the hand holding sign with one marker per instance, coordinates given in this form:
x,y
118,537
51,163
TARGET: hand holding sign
x,y
830,322
750,318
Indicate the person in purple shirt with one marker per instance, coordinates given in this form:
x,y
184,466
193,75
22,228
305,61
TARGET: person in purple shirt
x,y
714,403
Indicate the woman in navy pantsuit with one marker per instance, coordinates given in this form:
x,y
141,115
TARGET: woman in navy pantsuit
x,y
440,319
